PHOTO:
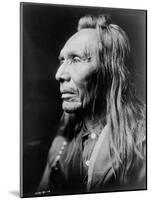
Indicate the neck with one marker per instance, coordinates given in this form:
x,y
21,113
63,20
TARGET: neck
x,y
95,123
72,123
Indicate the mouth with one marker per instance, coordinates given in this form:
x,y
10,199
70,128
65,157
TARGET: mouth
x,y
68,95
70,100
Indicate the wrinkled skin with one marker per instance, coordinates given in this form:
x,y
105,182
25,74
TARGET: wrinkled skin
x,y
77,71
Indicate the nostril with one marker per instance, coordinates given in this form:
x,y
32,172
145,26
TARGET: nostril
x,y
61,80
58,77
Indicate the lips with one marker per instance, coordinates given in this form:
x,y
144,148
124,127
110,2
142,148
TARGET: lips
x,y
69,90
68,95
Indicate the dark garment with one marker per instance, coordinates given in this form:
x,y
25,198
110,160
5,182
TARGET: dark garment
x,y
78,177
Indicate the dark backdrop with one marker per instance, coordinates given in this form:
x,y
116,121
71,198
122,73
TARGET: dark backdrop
x,y
44,30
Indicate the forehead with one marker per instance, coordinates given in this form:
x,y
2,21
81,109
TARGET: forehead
x,y
84,41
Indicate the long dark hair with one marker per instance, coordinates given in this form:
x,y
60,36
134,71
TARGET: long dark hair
x,y
123,112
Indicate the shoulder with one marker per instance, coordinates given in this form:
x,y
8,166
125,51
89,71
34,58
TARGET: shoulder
x,y
52,159
57,142
56,149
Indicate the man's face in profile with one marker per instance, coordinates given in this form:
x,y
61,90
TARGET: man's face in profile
x,y
77,71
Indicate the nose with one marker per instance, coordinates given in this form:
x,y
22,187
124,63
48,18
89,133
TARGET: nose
x,y
62,73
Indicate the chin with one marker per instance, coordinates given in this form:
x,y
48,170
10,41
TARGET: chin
x,y
71,107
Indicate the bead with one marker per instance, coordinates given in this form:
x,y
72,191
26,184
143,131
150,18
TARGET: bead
x,y
87,162
93,135
58,157
64,143
62,148
52,168
57,162
56,168
60,152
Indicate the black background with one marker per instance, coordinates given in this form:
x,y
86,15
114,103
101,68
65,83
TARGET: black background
x,y
44,30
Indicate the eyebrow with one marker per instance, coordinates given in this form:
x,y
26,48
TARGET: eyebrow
x,y
74,53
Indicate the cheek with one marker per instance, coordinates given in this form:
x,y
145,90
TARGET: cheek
x,y
89,91
84,78
86,88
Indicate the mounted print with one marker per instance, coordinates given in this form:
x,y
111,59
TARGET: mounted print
x,y
83,100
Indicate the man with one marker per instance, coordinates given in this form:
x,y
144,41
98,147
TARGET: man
x,y
100,144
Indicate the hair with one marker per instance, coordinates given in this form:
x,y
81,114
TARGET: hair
x,y
124,113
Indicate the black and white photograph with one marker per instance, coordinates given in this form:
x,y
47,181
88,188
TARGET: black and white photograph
x,y
83,99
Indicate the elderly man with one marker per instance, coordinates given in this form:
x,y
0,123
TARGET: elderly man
x,y
100,143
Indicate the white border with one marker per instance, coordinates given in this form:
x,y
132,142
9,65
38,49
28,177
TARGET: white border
x,y
9,97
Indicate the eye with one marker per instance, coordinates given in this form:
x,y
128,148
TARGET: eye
x,y
61,60
75,59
